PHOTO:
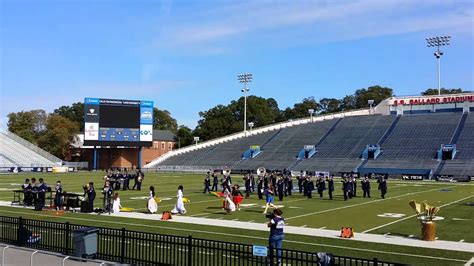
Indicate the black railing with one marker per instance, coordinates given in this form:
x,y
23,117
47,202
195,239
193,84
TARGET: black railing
x,y
141,248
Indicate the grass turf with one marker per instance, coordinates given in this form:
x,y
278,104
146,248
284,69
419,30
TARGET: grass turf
x,y
359,213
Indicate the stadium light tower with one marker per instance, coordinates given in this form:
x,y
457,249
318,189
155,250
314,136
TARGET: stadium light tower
x,y
245,78
251,124
311,112
437,42
371,103
196,140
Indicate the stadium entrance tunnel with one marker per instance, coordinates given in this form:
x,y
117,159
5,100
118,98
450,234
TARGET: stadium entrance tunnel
x,y
307,152
447,152
397,172
372,151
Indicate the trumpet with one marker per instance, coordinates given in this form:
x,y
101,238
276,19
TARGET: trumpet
x,y
226,171
261,171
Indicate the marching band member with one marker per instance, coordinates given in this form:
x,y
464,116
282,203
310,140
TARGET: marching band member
x,y
247,181
116,205
229,205
366,186
215,181
308,186
207,183
58,196
345,188
260,184
330,180
179,207
354,186
288,184
28,197
301,180
237,196
108,192
320,185
280,188
382,187
90,195
252,181
152,206
269,193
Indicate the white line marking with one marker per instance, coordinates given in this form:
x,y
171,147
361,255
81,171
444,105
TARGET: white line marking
x,y
470,262
251,221
360,204
462,240
411,236
244,236
236,219
406,218
460,219
324,227
303,225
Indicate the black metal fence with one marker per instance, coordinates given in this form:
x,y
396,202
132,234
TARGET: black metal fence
x,y
141,248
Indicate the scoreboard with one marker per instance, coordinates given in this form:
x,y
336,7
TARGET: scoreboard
x,y
112,122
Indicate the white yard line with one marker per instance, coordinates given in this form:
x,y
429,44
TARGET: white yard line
x,y
249,237
470,262
409,217
360,204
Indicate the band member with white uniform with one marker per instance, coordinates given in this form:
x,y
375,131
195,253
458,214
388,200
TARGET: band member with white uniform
x,y
152,206
179,207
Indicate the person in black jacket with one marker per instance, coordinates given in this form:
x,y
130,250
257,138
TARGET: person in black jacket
x,y
366,186
215,181
321,186
58,196
330,181
301,180
280,188
207,183
91,196
247,182
260,187
382,187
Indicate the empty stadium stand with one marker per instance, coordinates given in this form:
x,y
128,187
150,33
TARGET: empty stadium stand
x,y
17,152
408,143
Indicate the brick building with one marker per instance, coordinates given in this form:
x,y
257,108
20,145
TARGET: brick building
x,y
124,157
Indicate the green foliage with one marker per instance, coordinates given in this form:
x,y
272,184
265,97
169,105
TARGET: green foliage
x,y
162,120
376,93
27,124
330,105
300,110
431,91
74,113
224,120
184,136
59,134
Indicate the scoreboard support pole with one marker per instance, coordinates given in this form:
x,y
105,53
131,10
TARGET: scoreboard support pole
x,y
95,158
139,157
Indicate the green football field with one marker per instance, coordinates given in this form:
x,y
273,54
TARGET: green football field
x,y
374,215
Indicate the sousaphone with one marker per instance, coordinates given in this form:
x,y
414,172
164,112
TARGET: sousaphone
x,y
261,171
226,171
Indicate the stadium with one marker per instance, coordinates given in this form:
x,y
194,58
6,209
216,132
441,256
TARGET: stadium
x,y
94,169
434,164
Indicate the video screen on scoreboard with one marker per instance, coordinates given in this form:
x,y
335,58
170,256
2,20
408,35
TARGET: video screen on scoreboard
x,y
112,122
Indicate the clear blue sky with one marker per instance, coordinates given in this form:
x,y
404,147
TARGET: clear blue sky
x,y
185,55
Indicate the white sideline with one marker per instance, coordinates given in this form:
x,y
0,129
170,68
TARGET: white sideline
x,y
158,217
406,218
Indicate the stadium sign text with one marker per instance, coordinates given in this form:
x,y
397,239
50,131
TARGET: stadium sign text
x,y
434,100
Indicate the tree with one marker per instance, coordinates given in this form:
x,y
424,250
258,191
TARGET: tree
x,y
27,124
184,136
431,91
59,134
330,105
162,120
224,120
74,113
376,93
300,110
348,103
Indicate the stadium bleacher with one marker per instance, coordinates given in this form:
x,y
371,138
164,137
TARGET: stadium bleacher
x,y
407,142
17,152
